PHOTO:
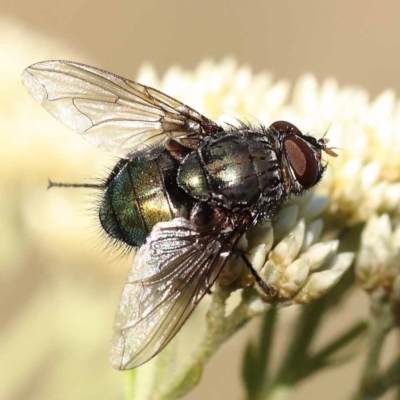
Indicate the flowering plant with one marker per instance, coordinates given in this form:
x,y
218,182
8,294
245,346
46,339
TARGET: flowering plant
x,y
306,251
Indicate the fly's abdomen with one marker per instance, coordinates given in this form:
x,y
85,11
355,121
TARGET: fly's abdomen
x,y
140,194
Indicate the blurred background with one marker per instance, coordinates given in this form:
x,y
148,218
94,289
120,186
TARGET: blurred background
x,y
59,288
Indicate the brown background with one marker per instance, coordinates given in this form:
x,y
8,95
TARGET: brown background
x,y
356,42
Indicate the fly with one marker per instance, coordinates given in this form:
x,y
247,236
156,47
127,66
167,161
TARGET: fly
x,y
185,190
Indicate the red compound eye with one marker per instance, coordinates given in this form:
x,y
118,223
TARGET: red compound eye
x,y
302,160
286,127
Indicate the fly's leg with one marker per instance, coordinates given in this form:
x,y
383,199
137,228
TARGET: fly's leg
x,y
52,184
268,290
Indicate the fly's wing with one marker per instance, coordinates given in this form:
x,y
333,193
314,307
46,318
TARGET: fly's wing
x,y
114,113
170,275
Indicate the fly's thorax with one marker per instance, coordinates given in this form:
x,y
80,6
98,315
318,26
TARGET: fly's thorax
x,y
233,168
140,193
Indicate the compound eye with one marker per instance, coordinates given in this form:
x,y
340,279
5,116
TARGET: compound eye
x,y
302,160
286,127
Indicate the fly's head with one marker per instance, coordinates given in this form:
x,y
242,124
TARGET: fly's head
x,y
302,166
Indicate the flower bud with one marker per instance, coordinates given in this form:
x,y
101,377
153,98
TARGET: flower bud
x,y
293,277
320,282
288,248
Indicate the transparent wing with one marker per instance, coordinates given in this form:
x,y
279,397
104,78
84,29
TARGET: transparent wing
x,y
111,112
170,275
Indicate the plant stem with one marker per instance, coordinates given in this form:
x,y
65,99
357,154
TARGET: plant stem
x,y
292,367
219,329
381,321
256,360
266,339
277,392
322,358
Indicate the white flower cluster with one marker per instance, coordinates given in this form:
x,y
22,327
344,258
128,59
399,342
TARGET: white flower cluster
x,y
291,257
378,260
